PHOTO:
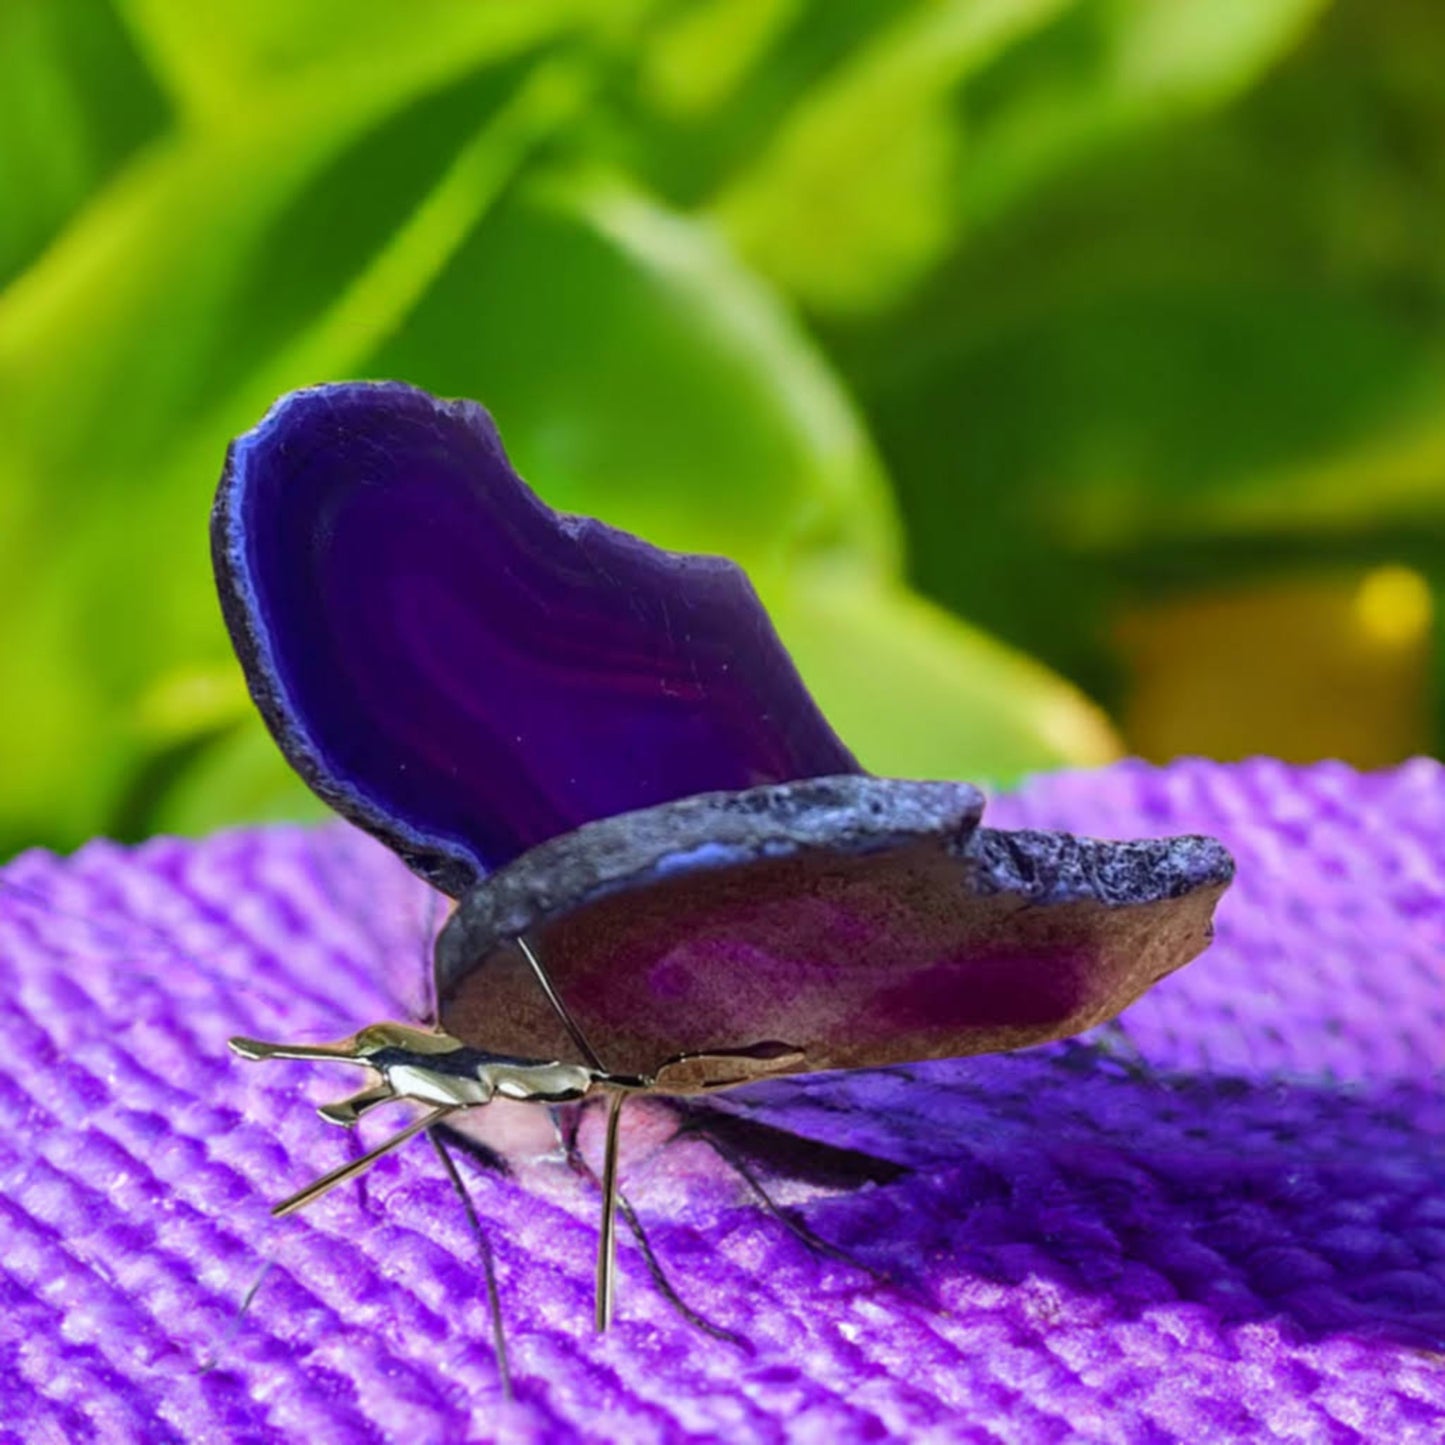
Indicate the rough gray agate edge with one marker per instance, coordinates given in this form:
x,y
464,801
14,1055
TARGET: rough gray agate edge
x,y
1051,868
845,815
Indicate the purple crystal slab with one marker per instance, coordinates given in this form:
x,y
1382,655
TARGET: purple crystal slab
x,y
860,921
465,672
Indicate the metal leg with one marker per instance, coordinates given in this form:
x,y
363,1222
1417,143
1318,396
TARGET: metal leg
x,y
350,1170
607,1240
489,1266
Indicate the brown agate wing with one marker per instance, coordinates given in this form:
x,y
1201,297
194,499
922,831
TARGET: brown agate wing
x,y
860,921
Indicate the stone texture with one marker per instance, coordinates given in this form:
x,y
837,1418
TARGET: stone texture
x,y
465,672
1225,1225
859,921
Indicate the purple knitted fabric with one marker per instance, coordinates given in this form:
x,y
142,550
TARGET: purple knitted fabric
x,y
1229,1225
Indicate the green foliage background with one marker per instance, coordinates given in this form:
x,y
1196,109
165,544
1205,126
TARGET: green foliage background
x,y
1062,298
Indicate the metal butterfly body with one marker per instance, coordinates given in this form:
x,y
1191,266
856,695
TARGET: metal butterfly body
x,y
673,877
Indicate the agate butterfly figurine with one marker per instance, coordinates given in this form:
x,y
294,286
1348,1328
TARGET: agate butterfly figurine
x,y
673,877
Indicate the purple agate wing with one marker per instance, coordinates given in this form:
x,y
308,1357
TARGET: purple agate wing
x,y
464,671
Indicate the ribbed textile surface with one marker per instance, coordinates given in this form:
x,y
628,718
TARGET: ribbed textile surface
x,y
1227,1223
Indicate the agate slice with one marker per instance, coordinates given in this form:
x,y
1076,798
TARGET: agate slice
x,y
605,749
462,670
852,922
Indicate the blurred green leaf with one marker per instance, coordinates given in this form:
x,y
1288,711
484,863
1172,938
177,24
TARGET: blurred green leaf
x,y
75,102
959,110
314,214
1109,70
853,196
231,778
228,61
1127,293
169,248
686,134
917,693
1167,409
116,400
1204,336
1141,423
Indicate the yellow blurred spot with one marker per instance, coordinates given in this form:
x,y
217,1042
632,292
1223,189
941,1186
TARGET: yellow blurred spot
x,y
190,701
1331,665
1077,730
1393,606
